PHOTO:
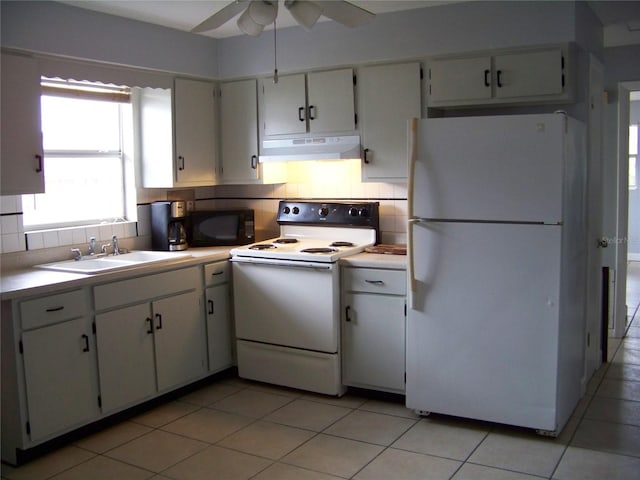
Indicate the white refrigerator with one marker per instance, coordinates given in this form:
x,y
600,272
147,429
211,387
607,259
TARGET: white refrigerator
x,y
496,253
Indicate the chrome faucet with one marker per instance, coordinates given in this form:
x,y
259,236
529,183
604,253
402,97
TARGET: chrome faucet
x,y
92,245
116,250
103,247
78,253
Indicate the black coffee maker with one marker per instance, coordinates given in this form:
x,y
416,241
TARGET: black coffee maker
x,y
168,221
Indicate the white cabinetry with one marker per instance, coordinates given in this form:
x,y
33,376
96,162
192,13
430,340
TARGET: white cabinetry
x,y
155,323
520,76
220,335
318,102
49,371
389,95
177,133
22,162
239,132
373,328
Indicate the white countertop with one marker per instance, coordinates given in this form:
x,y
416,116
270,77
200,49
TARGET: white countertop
x,y
375,260
36,281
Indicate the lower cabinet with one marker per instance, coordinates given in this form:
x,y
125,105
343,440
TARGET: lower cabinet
x,y
49,370
59,371
153,346
373,328
220,332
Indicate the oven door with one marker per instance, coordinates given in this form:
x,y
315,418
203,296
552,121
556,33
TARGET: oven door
x,y
285,303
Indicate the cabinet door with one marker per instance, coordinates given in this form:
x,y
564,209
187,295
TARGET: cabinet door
x,y
59,366
331,105
390,95
284,105
460,79
529,74
220,335
195,132
239,131
125,356
373,324
180,340
22,156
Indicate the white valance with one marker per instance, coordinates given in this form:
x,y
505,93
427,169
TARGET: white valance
x,y
81,70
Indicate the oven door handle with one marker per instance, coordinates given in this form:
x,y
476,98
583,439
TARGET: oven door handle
x,y
282,263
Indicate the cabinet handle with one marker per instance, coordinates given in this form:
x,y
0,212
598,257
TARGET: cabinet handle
x,y
346,313
300,112
486,78
312,112
55,309
86,343
180,162
38,163
365,157
149,321
211,310
499,78
375,282
159,318
254,161
219,272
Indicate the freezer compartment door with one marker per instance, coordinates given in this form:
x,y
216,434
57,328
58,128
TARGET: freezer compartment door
x,y
502,168
482,333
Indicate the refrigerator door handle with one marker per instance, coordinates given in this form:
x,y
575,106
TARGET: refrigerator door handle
x,y
410,262
412,151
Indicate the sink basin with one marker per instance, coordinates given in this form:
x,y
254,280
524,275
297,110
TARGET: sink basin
x,y
113,262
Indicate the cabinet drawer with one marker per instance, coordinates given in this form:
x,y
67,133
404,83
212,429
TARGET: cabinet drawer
x,y
390,282
144,288
52,309
217,273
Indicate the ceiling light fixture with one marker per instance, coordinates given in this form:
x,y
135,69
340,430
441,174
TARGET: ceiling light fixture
x,y
257,14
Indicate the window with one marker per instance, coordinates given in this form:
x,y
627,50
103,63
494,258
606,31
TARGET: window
x,y
633,157
84,127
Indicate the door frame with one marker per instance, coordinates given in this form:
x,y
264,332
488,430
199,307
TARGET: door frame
x,y
622,224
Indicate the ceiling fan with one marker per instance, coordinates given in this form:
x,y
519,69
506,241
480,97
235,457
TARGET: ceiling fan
x,y
257,14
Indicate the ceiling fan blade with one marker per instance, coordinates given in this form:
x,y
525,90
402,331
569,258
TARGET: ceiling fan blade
x,y
346,13
306,13
221,17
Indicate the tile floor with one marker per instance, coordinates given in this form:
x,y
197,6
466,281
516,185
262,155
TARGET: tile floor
x,y
235,429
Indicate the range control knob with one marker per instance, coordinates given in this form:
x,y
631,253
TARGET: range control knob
x,y
364,212
353,211
324,211
286,210
296,210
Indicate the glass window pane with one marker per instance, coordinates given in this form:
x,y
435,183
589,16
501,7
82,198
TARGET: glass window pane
x,y
98,194
633,140
72,124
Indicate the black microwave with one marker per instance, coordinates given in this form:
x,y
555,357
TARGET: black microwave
x,y
209,228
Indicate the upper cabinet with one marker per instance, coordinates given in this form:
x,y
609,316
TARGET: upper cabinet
x,y
22,162
532,76
389,95
318,102
177,134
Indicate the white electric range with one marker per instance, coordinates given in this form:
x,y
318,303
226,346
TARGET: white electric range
x,y
287,294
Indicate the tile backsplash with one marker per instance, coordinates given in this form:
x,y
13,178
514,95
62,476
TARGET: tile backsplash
x,y
338,181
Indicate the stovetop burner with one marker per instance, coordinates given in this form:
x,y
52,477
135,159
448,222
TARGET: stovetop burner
x,y
319,250
262,246
286,240
342,244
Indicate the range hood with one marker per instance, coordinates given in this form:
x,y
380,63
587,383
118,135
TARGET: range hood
x,y
310,148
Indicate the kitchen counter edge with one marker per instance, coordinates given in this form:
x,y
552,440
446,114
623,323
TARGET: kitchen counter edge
x,y
32,281
375,260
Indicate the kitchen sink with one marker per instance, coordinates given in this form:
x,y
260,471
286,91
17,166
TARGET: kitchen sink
x,y
107,263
